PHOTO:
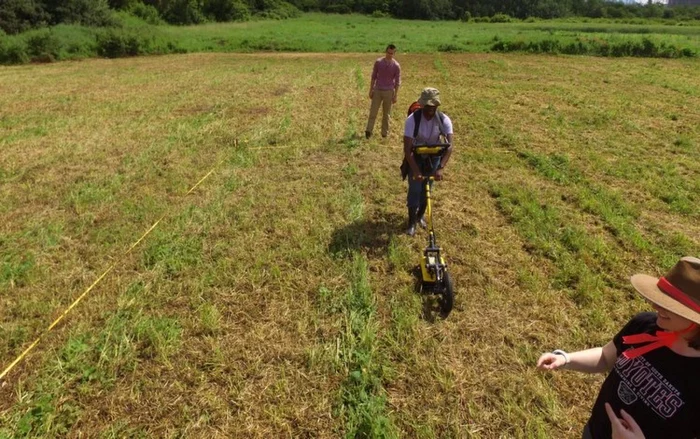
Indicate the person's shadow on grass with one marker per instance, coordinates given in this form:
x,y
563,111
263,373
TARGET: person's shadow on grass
x,y
368,236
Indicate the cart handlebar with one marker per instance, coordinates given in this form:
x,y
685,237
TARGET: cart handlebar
x,y
437,149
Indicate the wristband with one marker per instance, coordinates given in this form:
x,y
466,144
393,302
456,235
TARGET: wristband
x,y
567,359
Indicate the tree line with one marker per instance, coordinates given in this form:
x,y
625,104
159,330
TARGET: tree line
x,y
19,15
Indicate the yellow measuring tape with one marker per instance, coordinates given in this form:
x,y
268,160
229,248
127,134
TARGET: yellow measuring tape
x,y
76,301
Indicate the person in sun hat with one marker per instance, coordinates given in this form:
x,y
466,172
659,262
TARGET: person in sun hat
x,y
425,126
383,89
653,388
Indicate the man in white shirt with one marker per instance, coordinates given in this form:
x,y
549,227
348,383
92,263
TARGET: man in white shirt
x,y
433,127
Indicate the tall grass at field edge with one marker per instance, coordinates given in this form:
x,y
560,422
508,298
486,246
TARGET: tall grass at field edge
x,y
644,48
313,32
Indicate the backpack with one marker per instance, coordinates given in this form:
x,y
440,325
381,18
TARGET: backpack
x,y
416,109
413,107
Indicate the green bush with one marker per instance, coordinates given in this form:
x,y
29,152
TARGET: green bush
x,y
584,46
546,46
13,52
227,10
501,18
280,11
466,17
43,46
449,48
17,16
337,9
147,13
509,46
184,12
86,12
117,44
306,5
686,52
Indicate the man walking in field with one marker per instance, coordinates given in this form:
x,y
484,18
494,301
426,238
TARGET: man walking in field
x,y
424,126
383,89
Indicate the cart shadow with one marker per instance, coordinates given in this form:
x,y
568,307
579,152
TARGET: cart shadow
x,y
371,237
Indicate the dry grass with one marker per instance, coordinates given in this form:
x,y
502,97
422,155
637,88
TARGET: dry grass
x,y
233,318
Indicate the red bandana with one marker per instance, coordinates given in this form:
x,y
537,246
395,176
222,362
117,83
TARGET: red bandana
x,y
662,338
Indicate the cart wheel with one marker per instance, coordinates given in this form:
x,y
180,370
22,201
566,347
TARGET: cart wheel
x,y
447,298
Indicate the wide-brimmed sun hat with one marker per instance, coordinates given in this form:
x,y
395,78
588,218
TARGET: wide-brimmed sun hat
x,y
429,96
678,291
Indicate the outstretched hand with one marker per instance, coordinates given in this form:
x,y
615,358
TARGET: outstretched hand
x,y
550,361
625,427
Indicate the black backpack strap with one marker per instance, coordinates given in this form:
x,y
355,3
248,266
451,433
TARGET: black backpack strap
x,y
416,122
441,123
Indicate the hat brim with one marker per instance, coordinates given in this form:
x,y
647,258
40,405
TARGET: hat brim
x,y
429,102
646,286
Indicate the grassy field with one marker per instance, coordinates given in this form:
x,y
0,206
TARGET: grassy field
x,y
315,32
356,33
276,298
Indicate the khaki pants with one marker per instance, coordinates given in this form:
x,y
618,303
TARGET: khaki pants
x,y
383,97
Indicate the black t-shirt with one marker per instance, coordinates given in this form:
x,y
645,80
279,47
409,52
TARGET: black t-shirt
x,y
660,389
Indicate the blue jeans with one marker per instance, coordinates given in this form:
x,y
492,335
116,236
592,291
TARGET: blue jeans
x,y
415,197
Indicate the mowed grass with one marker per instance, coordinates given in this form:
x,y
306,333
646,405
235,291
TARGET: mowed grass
x,y
276,299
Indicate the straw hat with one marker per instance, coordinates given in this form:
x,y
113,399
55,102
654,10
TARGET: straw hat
x,y
678,291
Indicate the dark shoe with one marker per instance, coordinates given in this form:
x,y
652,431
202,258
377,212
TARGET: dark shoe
x,y
411,222
368,134
384,136
421,217
411,230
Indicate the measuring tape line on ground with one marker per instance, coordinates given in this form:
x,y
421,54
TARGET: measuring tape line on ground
x,y
97,281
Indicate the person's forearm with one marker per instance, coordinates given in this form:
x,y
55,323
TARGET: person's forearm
x,y
589,361
446,157
448,153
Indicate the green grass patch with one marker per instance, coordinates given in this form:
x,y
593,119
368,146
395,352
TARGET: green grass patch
x,y
363,401
548,234
619,216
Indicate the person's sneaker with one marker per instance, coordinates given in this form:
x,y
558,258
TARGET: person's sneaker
x,y
411,230
368,134
422,222
384,136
